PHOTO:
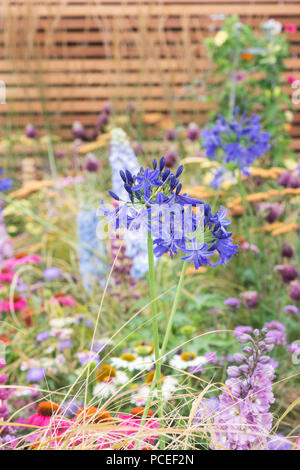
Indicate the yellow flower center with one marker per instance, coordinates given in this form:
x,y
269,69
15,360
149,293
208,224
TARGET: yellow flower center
x,y
150,376
188,356
128,357
105,372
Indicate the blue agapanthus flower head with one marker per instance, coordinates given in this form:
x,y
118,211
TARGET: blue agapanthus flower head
x,y
177,222
5,183
236,143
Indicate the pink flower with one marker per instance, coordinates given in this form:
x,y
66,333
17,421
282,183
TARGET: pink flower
x,y
290,28
63,299
245,246
298,442
18,303
21,258
6,276
290,79
45,410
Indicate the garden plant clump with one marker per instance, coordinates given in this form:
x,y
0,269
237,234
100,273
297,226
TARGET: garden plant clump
x,y
151,300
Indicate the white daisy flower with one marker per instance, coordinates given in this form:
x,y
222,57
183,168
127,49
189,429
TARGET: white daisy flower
x,y
186,360
108,379
132,362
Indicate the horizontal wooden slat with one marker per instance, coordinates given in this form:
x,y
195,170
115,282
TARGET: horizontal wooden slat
x,y
77,54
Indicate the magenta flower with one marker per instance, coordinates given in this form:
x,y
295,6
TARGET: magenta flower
x,y
290,28
21,258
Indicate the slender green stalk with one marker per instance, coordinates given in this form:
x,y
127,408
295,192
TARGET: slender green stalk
x,y
157,375
174,309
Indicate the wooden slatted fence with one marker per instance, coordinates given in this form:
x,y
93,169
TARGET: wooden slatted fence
x,y
62,60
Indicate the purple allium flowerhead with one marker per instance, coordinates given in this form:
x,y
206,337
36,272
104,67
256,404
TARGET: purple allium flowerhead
x,y
291,309
107,107
130,107
294,291
36,374
287,251
171,157
138,148
59,154
274,211
232,302
288,272
250,299
91,163
102,120
284,179
193,132
30,131
51,273
78,130
171,134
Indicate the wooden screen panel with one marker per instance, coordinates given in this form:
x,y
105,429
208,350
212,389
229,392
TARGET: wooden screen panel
x,y
64,59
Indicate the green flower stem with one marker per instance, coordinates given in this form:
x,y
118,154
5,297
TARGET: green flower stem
x,y
174,308
153,298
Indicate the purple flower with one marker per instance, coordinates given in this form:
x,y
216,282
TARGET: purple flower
x,y
171,157
250,299
294,291
43,336
91,163
171,134
276,332
51,273
64,344
36,374
291,309
279,442
236,143
287,251
243,420
288,272
211,357
232,302
78,130
30,131
193,132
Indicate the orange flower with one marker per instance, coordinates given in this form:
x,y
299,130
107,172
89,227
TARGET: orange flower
x,y
93,414
285,229
247,56
271,227
139,410
47,408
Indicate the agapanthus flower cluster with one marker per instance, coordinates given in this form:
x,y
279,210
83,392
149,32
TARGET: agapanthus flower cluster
x,y
91,250
177,222
243,420
235,143
122,157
